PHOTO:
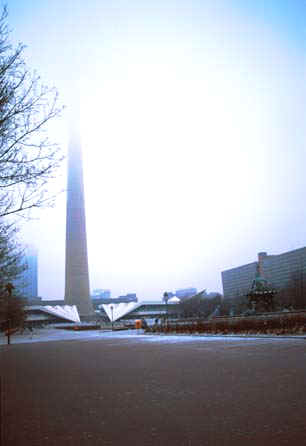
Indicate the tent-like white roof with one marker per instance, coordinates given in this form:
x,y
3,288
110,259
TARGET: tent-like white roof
x,y
68,312
116,311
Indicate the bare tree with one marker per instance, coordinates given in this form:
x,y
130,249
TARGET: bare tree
x,y
12,313
200,305
27,158
11,255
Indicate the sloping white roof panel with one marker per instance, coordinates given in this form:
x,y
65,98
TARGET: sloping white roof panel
x,y
120,310
68,312
116,311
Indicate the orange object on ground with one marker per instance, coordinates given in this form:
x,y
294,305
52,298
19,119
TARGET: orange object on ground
x,y
138,323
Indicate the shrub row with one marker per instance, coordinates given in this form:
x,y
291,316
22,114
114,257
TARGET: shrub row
x,y
274,324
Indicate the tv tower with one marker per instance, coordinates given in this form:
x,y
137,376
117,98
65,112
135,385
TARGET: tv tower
x,y
76,272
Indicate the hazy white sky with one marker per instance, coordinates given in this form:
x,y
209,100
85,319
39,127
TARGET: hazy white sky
x,y
193,135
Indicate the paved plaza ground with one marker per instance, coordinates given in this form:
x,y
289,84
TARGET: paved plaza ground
x,y
133,389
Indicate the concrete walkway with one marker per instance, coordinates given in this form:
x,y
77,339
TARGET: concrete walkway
x,y
124,388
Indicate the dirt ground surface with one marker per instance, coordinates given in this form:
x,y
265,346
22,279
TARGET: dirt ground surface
x,y
114,389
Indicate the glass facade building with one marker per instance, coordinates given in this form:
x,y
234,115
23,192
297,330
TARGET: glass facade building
x,y
280,270
27,283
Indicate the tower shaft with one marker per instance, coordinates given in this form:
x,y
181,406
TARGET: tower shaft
x,y
76,272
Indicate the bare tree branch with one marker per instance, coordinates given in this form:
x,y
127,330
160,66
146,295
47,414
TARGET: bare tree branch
x,y
27,158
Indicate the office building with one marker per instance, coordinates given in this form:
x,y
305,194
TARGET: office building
x,y
280,270
27,283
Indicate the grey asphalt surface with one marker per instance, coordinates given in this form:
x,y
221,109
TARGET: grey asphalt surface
x,y
127,389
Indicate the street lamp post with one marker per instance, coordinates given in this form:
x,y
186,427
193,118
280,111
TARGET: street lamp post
x,y
166,298
112,309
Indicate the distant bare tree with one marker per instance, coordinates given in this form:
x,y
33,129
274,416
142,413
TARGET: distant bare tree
x,y
11,255
234,306
199,306
27,158
166,297
12,313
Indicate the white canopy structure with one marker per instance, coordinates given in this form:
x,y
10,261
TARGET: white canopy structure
x,y
66,312
69,312
154,308
116,311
